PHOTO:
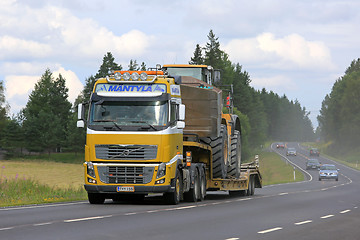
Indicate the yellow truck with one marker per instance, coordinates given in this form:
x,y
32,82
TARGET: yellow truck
x,y
139,140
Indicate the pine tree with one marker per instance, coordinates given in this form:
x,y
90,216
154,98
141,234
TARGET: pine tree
x,y
46,114
213,54
133,65
197,59
107,65
143,67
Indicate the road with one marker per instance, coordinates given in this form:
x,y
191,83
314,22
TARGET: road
x,y
310,209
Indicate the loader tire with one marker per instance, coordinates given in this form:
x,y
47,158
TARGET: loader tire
x,y
235,156
220,157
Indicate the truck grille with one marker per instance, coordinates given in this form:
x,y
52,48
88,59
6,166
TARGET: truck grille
x,y
125,174
126,152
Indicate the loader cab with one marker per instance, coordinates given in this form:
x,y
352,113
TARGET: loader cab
x,y
203,72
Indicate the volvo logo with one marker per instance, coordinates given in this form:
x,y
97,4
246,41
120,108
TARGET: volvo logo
x,y
126,152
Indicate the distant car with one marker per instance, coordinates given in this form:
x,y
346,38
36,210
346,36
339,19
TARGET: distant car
x,y
280,145
328,171
314,152
291,152
312,164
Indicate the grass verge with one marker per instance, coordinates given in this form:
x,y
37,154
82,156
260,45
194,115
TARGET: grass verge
x,y
274,170
36,182
15,192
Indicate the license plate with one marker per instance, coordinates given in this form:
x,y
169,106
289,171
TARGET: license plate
x,y
125,189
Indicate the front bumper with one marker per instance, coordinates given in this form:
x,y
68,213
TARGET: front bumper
x,y
328,177
138,189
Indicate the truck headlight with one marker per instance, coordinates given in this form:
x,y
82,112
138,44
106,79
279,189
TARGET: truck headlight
x,y
90,169
161,170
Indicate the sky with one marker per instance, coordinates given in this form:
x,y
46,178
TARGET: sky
x,y
291,47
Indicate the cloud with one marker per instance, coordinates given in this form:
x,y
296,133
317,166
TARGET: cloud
x,y
275,82
11,47
290,52
54,32
19,87
72,82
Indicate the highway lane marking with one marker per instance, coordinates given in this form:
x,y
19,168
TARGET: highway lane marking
x,y
42,224
270,230
86,219
232,239
281,194
8,228
327,216
41,206
345,211
303,222
132,213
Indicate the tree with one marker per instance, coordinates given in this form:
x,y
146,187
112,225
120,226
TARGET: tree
x,y
212,50
107,65
197,59
46,114
133,65
4,107
143,67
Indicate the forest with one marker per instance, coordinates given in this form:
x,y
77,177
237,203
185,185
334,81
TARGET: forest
x,y
48,121
339,119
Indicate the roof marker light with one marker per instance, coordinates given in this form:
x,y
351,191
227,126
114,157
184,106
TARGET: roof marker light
x,y
135,76
126,76
143,76
117,76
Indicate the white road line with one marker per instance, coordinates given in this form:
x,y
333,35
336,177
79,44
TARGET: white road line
x,y
303,222
285,193
42,224
232,239
40,206
345,211
8,228
243,199
270,230
327,216
86,219
181,208
128,214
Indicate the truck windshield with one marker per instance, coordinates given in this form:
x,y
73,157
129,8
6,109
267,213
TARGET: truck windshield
x,y
191,72
134,113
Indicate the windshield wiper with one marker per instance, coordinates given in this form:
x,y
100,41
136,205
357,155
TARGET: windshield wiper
x,y
105,120
148,125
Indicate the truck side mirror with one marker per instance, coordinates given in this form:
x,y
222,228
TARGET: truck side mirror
x,y
80,122
181,112
180,125
217,76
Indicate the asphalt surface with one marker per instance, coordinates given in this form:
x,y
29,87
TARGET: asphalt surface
x,y
310,209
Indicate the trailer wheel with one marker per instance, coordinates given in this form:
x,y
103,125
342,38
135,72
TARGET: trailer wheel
x,y
251,186
220,157
235,158
96,198
173,198
202,186
194,193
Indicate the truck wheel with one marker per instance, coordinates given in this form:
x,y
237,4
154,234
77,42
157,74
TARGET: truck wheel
x,y
173,198
219,147
194,193
96,198
235,158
